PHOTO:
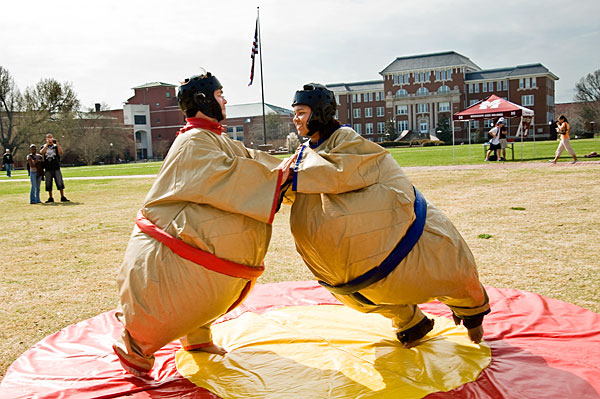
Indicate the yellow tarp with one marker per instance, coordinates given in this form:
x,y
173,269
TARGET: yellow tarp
x,y
331,352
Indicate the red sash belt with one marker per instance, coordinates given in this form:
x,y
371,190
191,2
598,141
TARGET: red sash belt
x,y
196,255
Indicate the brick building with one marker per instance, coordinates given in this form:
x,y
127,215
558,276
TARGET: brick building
x,y
417,92
154,117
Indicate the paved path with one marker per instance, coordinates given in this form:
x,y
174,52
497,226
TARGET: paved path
x,y
89,178
507,165
487,165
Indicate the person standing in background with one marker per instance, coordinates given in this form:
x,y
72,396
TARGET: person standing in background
x,y
503,143
35,165
7,161
565,142
52,151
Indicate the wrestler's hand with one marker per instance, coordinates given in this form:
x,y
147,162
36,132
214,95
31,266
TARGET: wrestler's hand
x,y
456,319
286,165
476,334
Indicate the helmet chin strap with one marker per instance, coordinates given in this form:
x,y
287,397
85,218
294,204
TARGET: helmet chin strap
x,y
311,129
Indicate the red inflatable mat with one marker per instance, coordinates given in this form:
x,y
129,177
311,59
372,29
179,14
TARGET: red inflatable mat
x,y
541,348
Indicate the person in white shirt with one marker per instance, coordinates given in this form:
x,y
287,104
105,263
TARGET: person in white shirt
x,y
495,140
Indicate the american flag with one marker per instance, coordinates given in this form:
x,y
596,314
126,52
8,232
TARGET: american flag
x,y
254,52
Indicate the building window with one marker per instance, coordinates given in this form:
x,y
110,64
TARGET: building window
x,y
368,112
396,80
402,125
444,107
139,119
157,105
423,127
444,89
474,124
527,83
521,83
356,112
422,108
353,98
505,85
476,87
533,83
380,127
488,123
168,94
368,128
527,100
337,100
438,75
449,74
470,87
358,128
380,111
422,91
368,97
472,102
484,87
401,93
402,110
377,96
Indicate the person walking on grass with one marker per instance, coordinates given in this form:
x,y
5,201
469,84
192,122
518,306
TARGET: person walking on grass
x,y
565,142
52,151
495,141
7,162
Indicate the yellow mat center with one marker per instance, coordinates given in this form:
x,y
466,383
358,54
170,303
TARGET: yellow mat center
x,y
331,352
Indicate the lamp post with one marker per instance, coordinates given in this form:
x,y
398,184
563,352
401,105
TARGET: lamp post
x,y
592,127
111,153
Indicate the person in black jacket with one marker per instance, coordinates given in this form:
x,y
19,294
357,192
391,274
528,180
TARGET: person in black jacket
x,y
52,151
7,161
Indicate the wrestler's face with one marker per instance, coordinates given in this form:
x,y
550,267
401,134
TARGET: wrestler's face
x,y
221,100
301,116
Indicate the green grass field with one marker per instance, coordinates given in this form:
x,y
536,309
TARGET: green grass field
x,y
532,228
405,156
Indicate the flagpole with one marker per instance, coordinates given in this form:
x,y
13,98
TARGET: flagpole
x,y
262,87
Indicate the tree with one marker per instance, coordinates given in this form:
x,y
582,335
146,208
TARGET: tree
x,y
292,142
391,133
97,136
10,105
588,92
25,118
443,130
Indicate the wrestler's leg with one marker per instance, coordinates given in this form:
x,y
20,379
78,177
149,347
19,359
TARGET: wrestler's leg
x,y
201,340
410,323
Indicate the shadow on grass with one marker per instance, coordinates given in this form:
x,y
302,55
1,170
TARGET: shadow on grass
x,y
59,203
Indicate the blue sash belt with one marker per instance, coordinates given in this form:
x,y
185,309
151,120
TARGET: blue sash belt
x,y
402,249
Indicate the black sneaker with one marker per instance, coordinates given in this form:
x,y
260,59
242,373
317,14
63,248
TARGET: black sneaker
x,y
49,200
64,199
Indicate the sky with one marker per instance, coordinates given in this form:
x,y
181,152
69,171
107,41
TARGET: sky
x,y
105,48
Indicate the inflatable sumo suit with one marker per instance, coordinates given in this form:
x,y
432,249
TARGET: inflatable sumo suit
x,y
198,244
354,211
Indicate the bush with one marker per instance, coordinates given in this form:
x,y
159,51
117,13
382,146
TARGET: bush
x,y
394,144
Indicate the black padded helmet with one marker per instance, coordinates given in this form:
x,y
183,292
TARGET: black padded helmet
x,y
322,104
197,94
